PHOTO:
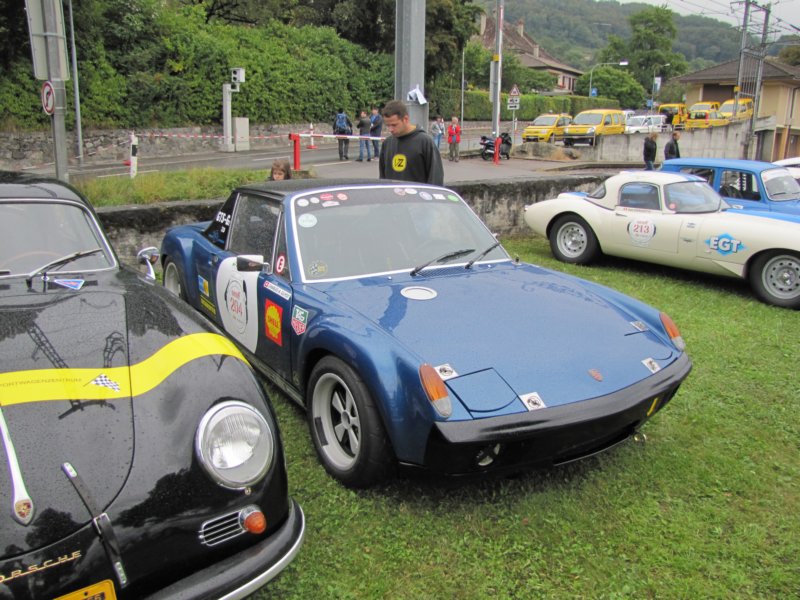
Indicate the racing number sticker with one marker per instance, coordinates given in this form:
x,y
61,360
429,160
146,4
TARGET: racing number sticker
x,y
641,231
399,163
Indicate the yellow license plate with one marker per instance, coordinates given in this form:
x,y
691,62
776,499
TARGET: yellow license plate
x,y
98,591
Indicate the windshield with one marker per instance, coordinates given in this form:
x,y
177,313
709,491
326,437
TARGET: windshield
x,y
366,231
780,185
636,121
545,120
37,233
691,197
588,119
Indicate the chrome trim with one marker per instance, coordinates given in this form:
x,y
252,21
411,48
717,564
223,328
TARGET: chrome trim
x,y
221,529
20,494
261,579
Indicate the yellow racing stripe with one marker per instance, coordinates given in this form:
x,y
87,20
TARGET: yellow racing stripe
x,y
101,383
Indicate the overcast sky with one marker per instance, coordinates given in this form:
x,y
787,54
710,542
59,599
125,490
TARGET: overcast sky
x,y
784,15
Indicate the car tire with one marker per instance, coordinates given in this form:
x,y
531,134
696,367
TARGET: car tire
x,y
573,241
345,425
174,280
775,278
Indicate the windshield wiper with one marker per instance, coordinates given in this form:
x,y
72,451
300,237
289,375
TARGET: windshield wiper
x,y
773,194
481,255
59,262
443,258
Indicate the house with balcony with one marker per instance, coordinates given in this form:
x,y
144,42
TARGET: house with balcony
x,y
529,53
777,124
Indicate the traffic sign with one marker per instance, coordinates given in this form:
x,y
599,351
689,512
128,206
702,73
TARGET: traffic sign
x,y
513,103
48,98
514,91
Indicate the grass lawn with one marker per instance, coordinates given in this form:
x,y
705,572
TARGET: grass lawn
x,y
708,507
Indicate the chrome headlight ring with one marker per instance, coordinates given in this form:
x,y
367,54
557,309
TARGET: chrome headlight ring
x,y
235,444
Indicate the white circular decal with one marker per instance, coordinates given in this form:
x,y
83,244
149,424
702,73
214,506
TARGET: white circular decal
x,y
307,220
236,301
302,202
641,231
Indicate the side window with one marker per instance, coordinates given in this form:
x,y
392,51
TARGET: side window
x,y
253,226
607,120
739,184
217,232
707,174
281,264
639,195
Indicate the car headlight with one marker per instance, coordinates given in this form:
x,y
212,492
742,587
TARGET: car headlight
x,y
590,130
235,444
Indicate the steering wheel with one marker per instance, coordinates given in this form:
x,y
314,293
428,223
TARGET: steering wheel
x,y
730,191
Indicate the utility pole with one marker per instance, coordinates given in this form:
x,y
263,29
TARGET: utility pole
x,y
49,53
749,76
409,60
496,74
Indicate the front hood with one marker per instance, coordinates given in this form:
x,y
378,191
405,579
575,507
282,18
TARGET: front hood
x,y
533,329
61,352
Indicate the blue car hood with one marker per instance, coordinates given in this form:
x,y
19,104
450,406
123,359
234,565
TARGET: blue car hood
x,y
512,331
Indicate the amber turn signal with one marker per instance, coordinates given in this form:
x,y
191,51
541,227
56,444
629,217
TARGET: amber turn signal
x,y
253,520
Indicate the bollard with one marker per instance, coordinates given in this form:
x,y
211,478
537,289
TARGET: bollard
x,y
134,162
296,142
311,145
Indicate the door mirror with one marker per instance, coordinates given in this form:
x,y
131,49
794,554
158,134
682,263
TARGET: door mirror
x,y
248,263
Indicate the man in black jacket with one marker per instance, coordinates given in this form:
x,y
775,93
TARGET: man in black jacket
x,y
650,151
409,154
671,150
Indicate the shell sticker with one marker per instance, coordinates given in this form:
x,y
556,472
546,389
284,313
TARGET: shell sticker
x,y
273,320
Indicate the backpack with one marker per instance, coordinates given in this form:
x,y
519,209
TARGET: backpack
x,y
340,125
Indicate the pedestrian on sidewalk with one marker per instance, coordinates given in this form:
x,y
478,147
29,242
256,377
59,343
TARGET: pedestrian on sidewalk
x,y
363,126
437,131
650,149
342,127
375,130
671,150
453,138
281,169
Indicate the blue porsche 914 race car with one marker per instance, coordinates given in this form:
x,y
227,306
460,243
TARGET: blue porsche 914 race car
x,y
394,316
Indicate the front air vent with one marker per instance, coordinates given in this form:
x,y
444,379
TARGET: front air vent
x,y
221,529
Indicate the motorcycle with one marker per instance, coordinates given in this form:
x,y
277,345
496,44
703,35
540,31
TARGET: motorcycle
x,y
487,153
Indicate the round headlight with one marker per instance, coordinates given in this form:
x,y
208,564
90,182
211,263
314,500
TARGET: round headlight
x,y
235,444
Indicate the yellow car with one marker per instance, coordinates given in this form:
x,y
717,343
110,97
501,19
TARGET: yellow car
x,y
744,110
546,128
703,106
590,124
676,114
703,119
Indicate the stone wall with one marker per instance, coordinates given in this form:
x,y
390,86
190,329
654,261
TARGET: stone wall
x,y
499,204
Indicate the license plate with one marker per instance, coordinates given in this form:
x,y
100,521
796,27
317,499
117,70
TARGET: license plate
x,y
98,591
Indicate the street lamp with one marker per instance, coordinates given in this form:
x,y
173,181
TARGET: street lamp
x,y
622,63
653,86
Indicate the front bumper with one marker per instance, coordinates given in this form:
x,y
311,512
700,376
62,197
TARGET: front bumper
x,y
552,436
242,574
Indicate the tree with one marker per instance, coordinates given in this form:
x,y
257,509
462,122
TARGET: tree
x,y
612,82
790,55
649,48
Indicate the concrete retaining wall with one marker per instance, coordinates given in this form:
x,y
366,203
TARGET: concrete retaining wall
x,y
499,204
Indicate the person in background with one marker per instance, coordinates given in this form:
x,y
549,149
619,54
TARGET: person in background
x,y
437,131
409,154
671,150
650,151
453,138
280,170
342,126
375,130
363,125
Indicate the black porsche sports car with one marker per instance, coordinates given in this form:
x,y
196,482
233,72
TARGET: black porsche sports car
x,y
139,456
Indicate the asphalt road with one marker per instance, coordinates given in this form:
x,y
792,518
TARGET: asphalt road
x,y
323,162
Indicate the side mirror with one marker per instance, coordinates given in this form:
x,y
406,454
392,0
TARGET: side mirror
x,y
249,263
148,257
